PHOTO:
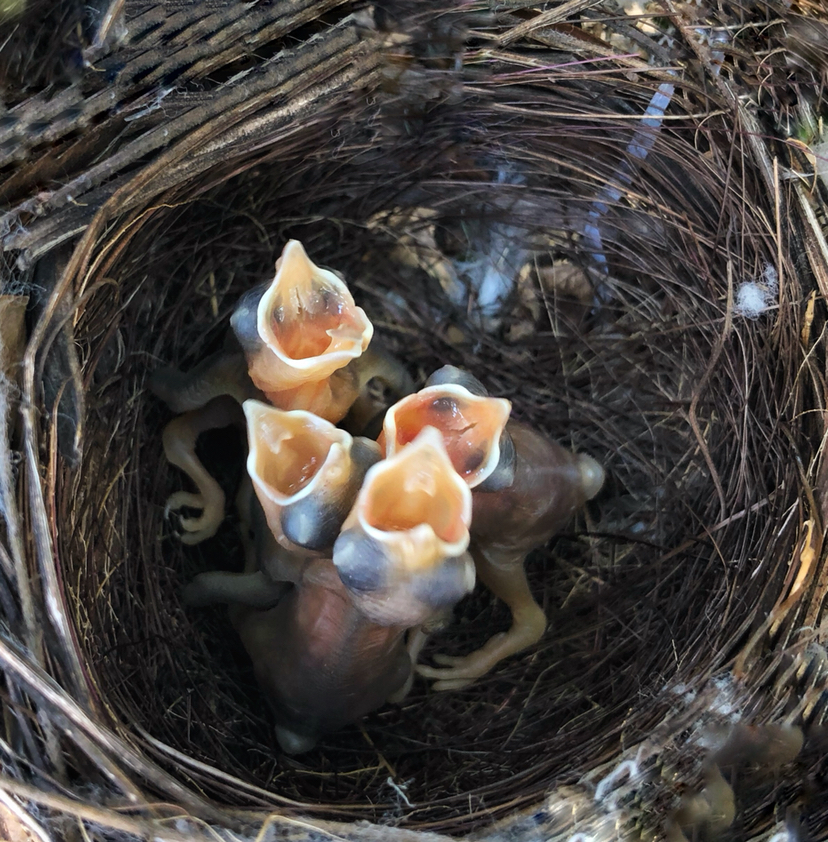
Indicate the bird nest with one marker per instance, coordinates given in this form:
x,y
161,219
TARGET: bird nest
x,y
645,192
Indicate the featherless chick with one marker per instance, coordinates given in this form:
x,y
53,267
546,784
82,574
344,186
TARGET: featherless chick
x,y
298,342
333,646
525,488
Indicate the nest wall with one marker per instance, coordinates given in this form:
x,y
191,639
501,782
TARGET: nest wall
x,y
679,581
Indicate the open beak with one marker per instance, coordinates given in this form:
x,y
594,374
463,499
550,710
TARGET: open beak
x,y
310,328
471,427
413,510
305,471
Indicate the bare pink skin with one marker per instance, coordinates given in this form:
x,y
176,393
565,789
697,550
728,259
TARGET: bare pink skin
x,y
329,646
320,662
550,484
548,488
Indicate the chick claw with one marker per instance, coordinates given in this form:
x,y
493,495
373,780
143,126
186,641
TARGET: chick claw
x,y
528,626
461,670
197,529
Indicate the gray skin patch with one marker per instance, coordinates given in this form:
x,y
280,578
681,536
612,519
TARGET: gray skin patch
x,y
360,561
313,524
443,586
256,590
451,375
244,320
365,453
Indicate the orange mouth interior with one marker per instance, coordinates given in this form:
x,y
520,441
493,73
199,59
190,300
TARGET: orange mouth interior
x,y
468,429
302,326
401,498
290,458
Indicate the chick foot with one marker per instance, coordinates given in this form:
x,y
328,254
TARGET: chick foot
x,y
197,529
179,440
457,672
414,645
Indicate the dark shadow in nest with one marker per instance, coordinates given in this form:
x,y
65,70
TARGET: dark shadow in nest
x,y
41,43
654,583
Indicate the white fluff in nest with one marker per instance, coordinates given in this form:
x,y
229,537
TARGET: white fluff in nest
x,y
491,268
625,774
722,708
784,835
726,701
482,279
753,298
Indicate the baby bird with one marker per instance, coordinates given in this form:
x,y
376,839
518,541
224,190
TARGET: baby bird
x,y
412,514
333,647
299,341
292,341
179,440
306,474
525,488
298,334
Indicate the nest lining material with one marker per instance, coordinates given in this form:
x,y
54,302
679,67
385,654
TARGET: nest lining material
x,y
697,413
611,386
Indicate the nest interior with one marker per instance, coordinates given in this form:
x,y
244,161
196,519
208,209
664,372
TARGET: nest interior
x,y
625,380
644,354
